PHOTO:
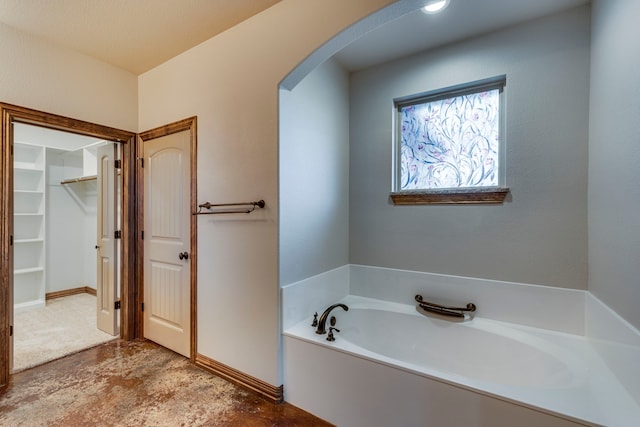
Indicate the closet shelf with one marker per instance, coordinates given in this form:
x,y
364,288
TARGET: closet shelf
x,y
28,241
30,207
80,179
27,168
28,270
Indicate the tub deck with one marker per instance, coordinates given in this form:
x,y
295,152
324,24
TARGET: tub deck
x,y
588,393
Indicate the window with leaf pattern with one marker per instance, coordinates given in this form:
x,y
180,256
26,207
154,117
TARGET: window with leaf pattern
x,y
451,138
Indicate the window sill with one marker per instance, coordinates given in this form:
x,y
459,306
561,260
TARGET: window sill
x,y
454,196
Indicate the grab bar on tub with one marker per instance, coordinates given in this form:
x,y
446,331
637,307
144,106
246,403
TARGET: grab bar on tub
x,y
443,309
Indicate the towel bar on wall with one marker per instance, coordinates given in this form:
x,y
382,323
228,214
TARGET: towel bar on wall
x,y
229,208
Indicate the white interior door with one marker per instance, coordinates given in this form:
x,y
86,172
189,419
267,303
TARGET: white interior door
x,y
167,241
106,242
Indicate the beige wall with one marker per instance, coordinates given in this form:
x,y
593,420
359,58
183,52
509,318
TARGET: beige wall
x,y
42,76
231,83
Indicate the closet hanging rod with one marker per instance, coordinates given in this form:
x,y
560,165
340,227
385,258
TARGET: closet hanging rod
x,y
80,179
229,208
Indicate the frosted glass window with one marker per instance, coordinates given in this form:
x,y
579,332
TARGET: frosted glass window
x,y
451,141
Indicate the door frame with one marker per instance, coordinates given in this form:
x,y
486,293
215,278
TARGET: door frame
x,y
188,124
129,326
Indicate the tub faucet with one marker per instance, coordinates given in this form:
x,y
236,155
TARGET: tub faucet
x,y
323,318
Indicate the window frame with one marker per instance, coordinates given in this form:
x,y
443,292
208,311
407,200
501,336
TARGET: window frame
x,y
456,195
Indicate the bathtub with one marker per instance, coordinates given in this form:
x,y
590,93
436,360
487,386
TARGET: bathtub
x,y
393,364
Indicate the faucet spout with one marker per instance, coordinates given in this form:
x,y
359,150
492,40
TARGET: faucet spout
x,y
322,323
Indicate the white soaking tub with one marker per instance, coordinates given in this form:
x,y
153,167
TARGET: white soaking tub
x,y
394,364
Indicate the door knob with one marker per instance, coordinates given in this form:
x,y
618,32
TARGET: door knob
x,y
183,255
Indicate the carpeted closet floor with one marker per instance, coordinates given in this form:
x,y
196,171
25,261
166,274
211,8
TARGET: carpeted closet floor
x,y
64,326
135,383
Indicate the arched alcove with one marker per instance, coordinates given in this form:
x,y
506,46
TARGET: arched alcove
x,y
336,133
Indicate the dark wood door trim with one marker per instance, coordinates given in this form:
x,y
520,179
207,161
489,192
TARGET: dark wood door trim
x,y
188,124
14,114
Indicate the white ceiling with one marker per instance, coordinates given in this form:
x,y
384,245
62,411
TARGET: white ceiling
x,y
135,35
462,19
37,135
138,35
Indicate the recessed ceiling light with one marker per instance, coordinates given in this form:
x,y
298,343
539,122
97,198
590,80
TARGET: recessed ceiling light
x,y
435,6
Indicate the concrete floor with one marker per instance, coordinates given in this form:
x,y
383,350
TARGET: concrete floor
x,y
135,383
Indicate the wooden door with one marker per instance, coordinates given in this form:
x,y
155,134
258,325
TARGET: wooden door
x,y
167,241
106,247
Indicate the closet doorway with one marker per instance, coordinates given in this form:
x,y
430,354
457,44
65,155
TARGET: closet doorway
x,y
66,199
50,202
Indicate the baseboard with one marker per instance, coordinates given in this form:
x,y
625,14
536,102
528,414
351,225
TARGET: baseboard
x,y
67,292
269,392
29,305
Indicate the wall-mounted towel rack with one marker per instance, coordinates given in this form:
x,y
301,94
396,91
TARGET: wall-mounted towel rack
x,y
229,208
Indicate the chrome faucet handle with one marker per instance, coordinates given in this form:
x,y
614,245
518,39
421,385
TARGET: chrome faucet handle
x,y
330,336
315,320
